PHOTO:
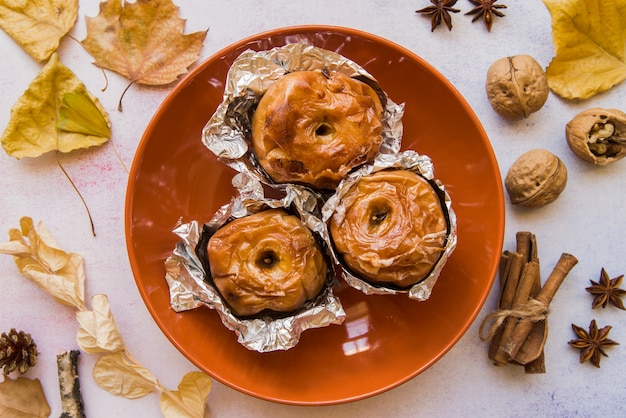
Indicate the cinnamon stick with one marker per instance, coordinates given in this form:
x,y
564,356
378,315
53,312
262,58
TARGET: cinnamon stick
x,y
523,240
546,294
509,278
522,294
531,352
536,366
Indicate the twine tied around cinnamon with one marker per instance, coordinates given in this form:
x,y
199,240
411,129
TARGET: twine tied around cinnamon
x,y
518,328
533,311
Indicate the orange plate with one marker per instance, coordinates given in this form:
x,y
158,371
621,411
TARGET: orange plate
x,y
384,340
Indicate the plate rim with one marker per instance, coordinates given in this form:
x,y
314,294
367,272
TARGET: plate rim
x,y
184,81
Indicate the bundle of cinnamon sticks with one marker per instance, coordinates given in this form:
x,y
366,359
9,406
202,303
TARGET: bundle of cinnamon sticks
x,y
519,327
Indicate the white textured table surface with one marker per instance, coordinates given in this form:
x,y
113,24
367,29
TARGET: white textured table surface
x,y
587,220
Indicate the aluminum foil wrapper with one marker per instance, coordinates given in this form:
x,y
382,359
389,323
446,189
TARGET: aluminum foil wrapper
x,y
420,164
185,273
252,73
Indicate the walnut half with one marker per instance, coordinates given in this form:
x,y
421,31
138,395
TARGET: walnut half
x,y
598,135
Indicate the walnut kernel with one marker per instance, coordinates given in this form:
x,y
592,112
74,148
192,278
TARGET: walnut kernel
x,y
536,178
598,135
516,86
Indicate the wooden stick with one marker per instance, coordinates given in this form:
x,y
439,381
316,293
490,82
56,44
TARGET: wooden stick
x,y
546,294
71,398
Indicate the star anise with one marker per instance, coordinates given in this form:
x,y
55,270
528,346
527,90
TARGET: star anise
x,y
607,290
440,11
592,343
486,9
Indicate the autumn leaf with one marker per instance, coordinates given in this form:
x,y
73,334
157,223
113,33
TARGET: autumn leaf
x,y
190,398
38,258
97,329
22,398
142,41
34,125
38,25
121,376
590,44
79,114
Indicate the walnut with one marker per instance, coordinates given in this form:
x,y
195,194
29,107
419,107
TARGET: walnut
x,y
516,86
598,135
536,178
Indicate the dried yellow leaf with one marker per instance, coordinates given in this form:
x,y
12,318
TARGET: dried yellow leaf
x,y
39,119
22,398
120,376
97,329
143,40
590,44
190,398
38,258
79,114
38,25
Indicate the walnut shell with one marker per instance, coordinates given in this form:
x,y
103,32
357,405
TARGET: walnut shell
x,y
598,135
516,86
536,178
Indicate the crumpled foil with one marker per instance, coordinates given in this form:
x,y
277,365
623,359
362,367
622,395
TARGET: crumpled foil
x,y
186,275
252,73
422,165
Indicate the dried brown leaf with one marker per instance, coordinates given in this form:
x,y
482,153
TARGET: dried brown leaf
x,y
22,398
143,40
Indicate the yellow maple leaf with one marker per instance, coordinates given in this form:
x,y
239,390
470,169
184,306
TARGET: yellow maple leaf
x,y
143,41
590,46
56,112
38,25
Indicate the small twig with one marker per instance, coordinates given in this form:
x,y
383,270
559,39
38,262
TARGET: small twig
x,y
93,230
71,399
